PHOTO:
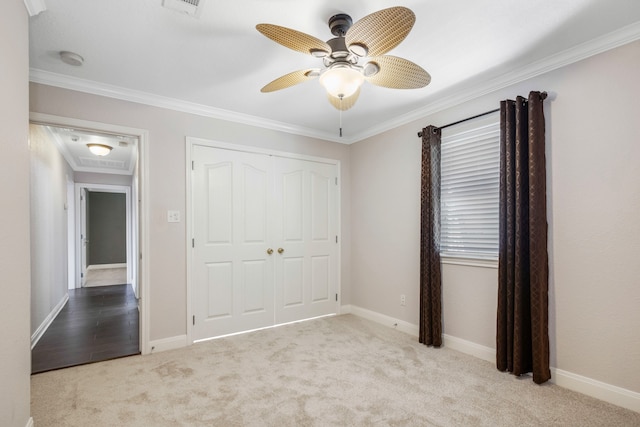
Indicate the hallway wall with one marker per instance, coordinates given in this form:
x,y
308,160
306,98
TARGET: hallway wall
x,y
15,357
49,239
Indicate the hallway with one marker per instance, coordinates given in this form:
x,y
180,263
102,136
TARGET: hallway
x,y
105,276
96,324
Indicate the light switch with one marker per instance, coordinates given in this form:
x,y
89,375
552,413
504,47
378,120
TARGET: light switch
x,y
173,216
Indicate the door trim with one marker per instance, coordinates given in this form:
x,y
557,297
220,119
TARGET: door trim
x,y
143,177
192,141
71,234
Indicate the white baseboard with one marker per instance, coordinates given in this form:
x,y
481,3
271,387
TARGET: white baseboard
x,y
30,422
609,393
170,343
105,266
345,309
468,347
48,320
401,325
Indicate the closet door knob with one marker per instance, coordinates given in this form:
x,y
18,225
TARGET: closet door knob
x,y
280,250
269,251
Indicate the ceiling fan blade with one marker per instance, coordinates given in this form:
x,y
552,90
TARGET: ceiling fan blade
x,y
291,79
345,103
295,40
381,31
398,73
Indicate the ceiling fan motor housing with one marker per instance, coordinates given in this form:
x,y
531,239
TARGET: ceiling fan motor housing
x,y
338,48
340,24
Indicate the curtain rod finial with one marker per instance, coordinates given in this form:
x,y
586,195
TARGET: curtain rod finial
x,y
551,96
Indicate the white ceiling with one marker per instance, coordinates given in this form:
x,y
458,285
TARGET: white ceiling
x,y
216,64
72,144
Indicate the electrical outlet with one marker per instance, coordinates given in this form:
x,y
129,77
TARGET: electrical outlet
x,y
173,216
403,300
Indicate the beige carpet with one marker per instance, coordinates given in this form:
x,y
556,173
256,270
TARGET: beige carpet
x,y
338,371
106,277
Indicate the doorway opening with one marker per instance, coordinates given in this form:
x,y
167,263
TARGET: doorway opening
x,y
105,236
65,173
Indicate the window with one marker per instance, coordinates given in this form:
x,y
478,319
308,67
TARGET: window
x,y
470,186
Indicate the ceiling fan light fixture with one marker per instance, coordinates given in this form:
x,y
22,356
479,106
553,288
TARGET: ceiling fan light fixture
x,y
99,149
341,81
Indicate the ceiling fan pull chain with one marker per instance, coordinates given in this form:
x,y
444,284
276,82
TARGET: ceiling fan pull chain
x,y
341,116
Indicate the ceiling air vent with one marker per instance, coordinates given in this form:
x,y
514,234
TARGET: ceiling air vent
x,y
188,7
104,163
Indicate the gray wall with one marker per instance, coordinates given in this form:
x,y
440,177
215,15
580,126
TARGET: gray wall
x,y
106,228
15,358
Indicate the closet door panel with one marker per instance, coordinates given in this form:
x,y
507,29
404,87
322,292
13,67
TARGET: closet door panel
x,y
306,200
233,286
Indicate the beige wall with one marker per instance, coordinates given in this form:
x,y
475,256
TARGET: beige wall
x,y
167,183
593,147
49,239
15,356
385,208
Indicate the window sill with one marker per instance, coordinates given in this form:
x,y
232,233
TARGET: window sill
x,y
471,262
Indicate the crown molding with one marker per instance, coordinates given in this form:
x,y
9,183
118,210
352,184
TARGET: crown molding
x,y
617,38
462,94
124,94
34,7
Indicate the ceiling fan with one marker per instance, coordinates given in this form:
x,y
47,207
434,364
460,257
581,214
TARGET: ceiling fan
x,y
355,55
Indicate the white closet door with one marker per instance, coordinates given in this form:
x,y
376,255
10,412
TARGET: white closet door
x,y
232,270
306,229
265,245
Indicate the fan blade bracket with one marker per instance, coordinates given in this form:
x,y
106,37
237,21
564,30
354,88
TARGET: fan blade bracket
x,y
359,49
370,69
319,53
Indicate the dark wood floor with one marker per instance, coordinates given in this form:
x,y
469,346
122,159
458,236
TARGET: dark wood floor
x,y
98,323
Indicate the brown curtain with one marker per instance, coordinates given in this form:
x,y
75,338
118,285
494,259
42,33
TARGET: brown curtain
x,y
522,324
430,281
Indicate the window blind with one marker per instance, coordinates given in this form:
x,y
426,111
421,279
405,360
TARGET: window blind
x,y
470,185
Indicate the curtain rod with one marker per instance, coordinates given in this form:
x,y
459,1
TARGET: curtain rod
x,y
543,95
463,120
